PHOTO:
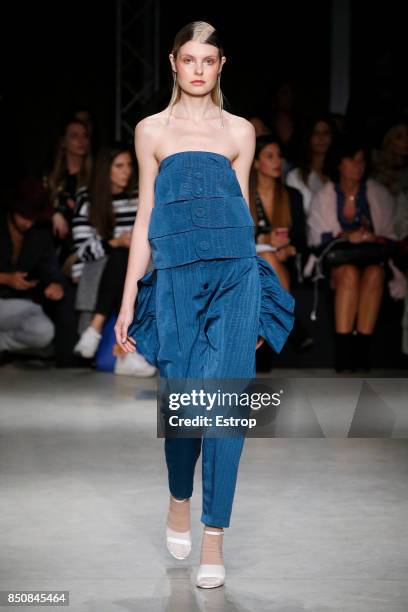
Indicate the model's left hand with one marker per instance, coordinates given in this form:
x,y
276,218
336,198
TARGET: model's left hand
x,y
54,291
259,342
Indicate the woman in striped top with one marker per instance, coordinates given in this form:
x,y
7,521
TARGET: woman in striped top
x,y
102,226
89,244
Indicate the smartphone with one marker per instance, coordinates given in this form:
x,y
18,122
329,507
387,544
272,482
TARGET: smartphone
x,y
30,278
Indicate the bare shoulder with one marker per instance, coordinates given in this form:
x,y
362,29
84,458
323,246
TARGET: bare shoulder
x,y
148,132
242,133
149,126
240,125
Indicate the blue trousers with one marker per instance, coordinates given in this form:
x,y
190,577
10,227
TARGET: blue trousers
x,y
208,320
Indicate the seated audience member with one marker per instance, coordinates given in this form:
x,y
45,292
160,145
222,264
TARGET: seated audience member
x,y
102,226
29,271
284,121
361,210
308,176
391,162
279,219
71,169
401,230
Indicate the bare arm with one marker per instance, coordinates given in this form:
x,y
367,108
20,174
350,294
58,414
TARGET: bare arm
x,y
246,138
246,141
140,250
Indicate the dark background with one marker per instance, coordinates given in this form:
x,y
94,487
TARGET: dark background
x,y
61,55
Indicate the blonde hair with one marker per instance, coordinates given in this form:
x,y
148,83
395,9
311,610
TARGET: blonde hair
x,y
387,165
203,32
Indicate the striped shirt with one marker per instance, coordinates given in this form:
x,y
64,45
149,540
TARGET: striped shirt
x,y
88,244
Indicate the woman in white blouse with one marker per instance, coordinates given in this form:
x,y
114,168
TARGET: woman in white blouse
x,y
308,177
360,209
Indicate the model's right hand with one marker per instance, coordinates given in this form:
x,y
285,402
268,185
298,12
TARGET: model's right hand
x,y
259,342
126,343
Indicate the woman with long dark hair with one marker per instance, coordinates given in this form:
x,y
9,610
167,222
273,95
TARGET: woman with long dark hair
x,y
277,210
308,176
102,225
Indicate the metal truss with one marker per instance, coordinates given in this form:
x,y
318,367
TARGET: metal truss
x,y
137,62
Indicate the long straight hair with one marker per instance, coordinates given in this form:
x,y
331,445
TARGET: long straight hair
x,y
56,176
387,165
281,215
203,32
306,154
101,213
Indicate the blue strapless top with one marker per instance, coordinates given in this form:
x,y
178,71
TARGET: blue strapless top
x,y
199,211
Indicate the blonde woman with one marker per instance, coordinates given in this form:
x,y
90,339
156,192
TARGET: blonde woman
x,y
207,305
391,162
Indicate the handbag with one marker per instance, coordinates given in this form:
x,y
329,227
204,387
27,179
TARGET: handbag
x,y
359,254
341,251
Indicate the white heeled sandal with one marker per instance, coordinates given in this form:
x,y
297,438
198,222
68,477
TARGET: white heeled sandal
x,y
210,576
178,542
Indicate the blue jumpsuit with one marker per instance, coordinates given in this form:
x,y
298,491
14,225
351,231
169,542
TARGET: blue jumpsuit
x,y
200,310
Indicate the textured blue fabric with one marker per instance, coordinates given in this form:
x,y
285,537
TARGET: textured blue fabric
x,y
200,311
199,211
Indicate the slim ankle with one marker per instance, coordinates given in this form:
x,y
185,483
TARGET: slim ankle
x,y
211,546
178,518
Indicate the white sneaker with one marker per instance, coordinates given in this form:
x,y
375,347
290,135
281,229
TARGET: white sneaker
x,y
88,343
134,364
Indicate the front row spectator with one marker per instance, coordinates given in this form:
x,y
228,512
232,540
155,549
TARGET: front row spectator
x,y
308,175
362,210
29,271
102,225
278,214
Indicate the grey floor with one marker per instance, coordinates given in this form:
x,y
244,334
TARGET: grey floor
x,y
317,525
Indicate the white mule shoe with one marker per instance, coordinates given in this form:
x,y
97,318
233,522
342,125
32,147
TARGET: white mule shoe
x,y
178,542
210,576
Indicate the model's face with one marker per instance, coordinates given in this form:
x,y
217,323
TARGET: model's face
x,y
399,144
21,223
197,66
76,139
121,170
269,162
352,168
321,138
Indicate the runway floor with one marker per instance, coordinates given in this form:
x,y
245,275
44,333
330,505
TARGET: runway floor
x,y
317,525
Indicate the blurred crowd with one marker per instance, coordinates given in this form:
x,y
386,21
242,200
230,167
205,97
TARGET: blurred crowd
x,y
323,200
